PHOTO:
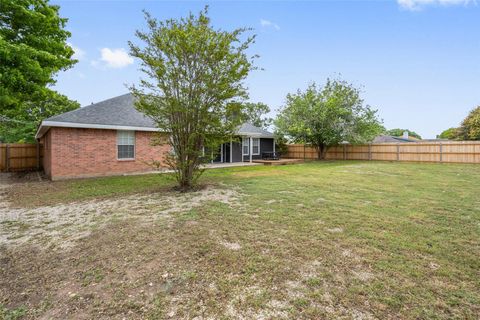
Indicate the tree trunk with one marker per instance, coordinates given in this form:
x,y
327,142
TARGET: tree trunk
x,y
185,175
184,182
321,151
186,163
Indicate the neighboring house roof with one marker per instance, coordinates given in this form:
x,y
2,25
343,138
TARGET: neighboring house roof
x,y
119,113
391,139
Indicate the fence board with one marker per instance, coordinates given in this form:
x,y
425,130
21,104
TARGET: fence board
x,y
445,151
20,157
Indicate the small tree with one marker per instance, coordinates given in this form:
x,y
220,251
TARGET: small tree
x,y
470,127
194,86
328,116
33,48
399,133
281,143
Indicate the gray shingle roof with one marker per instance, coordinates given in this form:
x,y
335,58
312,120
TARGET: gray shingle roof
x,y
250,129
118,111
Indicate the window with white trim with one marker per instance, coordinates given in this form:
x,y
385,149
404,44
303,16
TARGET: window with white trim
x,y
125,145
245,146
256,146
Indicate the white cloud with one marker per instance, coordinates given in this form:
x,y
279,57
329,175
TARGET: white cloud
x,y
419,4
79,53
114,58
269,24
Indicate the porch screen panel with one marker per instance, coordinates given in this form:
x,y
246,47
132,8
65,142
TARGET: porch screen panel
x,y
245,146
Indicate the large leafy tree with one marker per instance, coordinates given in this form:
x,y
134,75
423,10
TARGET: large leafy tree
x,y
256,114
399,132
33,49
194,86
328,116
470,127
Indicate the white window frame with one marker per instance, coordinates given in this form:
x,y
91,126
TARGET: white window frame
x,y
245,143
126,138
253,146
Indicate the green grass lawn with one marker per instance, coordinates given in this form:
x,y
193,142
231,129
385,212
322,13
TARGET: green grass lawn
x,y
352,240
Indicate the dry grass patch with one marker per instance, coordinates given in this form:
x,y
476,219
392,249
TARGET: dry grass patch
x,y
258,173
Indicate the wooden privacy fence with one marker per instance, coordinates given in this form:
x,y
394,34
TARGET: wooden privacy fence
x,y
451,151
20,157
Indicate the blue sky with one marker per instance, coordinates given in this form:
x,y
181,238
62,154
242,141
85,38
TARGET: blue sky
x,y
417,61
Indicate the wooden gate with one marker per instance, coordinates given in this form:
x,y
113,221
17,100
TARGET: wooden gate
x,y
20,157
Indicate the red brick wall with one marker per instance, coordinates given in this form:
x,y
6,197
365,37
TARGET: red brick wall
x,y
47,152
79,153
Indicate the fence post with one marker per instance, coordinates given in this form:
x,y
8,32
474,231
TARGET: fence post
x,y
369,151
398,151
2,165
7,158
344,152
441,152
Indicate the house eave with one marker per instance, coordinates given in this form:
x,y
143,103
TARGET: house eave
x,y
45,125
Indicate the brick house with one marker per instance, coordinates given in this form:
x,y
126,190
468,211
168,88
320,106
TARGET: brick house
x,y
113,138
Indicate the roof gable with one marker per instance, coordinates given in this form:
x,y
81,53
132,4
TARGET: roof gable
x,y
118,111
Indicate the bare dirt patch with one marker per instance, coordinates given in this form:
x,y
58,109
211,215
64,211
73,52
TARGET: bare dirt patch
x,y
61,225
231,245
133,257
273,309
335,230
